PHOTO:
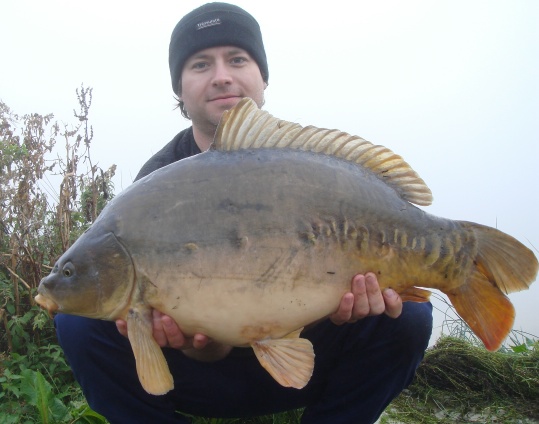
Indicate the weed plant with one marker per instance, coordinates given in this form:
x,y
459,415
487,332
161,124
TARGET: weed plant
x,y
37,223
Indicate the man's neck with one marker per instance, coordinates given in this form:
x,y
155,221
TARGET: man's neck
x,y
203,139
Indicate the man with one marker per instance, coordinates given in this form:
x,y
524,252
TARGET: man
x,y
216,58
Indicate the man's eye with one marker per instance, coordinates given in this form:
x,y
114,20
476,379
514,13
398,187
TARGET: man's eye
x,y
238,60
200,65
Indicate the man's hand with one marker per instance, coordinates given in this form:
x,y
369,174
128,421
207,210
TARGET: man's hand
x,y
366,299
167,334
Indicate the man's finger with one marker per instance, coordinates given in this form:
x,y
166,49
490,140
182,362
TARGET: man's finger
x,y
393,303
377,305
121,325
158,331
361,299
172,332
200,341
344,313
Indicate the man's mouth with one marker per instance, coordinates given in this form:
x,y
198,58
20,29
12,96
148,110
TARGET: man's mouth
x,y
225,97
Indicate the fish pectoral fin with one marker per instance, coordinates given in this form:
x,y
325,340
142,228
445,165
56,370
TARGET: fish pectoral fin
x,y
489,313
415,294
290,360
152,367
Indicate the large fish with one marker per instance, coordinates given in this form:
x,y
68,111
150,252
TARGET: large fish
x,y
261,235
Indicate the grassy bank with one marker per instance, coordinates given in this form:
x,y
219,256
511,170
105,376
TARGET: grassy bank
x,y
459,381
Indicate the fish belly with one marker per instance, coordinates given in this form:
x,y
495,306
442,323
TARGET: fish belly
x,y
254,314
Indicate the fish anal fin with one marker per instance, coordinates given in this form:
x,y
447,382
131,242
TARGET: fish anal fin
x,y
415,294
152,367
289,360
489,313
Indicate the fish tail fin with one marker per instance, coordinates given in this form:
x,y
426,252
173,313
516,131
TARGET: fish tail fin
x,y
505,262
488,312
290,360
502,265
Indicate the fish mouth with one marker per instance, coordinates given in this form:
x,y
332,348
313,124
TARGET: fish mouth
x,y
46,303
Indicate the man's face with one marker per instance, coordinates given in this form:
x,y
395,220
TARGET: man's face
x,y
215,79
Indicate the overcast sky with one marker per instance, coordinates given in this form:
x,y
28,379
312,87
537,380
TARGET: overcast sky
x,y
452,86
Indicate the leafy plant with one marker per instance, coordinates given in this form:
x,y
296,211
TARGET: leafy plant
x,y
41,403
37,223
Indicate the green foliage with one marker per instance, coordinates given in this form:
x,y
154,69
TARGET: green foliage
x,y
38,222
523,342
289,417
28,397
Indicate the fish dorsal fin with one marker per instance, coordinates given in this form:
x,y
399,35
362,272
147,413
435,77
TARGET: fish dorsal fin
x,y
247,127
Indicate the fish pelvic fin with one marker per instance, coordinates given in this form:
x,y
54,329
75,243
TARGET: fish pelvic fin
x,y
488,312
502,265
290,360
247,127
152,367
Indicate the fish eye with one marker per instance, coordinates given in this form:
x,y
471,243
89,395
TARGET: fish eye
x,y
68,270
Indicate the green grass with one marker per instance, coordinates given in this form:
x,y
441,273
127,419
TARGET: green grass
x,y
290,417
459,381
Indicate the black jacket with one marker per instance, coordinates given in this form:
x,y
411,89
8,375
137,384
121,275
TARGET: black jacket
x,y
180,147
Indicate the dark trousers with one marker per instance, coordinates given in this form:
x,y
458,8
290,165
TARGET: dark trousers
x,y
359,369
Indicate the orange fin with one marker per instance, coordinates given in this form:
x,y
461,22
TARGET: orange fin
x,y
152,367
415,294
488,312
289,360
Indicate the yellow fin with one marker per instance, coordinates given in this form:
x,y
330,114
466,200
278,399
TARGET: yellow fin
x,y
487,311
246,127
504,261
152,367
289,360
415,294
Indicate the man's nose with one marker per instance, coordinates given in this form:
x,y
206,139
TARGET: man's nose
x,y
222,75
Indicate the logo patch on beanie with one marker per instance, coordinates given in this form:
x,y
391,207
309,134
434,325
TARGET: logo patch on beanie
x,y
209,23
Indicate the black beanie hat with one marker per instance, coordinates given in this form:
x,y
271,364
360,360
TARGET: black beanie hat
x,y
212,25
